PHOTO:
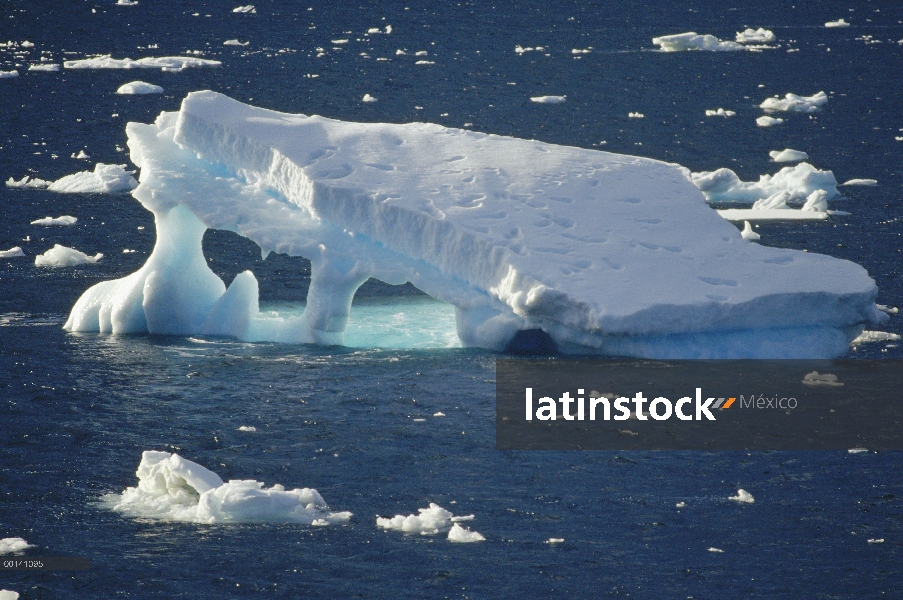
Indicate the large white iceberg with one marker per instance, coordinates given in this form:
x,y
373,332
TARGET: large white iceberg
x,y
603,252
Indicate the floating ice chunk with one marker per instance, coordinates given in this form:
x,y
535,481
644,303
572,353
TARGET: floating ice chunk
x,y
799,181
429,521
166,63
104,179
718,550
816,201
44,67
720,113
339,42
891,310
865,182
636,115
554,541
794,103
439,414
816,378
581,51
770,214
248,428
27,44
857,450
63,256
64,220
748,233
837,23
776,201
171,488
12,545
425,62
755,36
743,496
374,30
869,337
586,245
81,155
249,9
27,182
368,98
8,74
139,87
128,251
9,595
766,121
127,3
548,99
12,252
235,43
680,505
693,41
875,541
462,535
788,155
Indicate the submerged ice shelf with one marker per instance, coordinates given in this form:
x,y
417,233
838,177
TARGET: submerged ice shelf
x,y
603,252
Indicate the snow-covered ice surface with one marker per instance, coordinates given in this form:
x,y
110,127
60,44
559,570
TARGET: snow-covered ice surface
x,y
587,246
167,63
693,41
63,220
794,103
171,488
139,87
13,544
9,595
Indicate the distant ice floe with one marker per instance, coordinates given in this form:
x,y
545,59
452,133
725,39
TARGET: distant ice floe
x,y
235,43
798,182
431,521
63,256
743,496
865,182
27,182
716,550
9,595
15,544
891,310
105,179
171,488
788,155
755,36
521,50
8,74
127,3
44,67
166,63
870,337
636,115
82,155
13,252
748,233
368,98
548,99
554,541
827,379
249,9
247,428
693,41
64,220
766,121
794,103
720,113
837,23
139,87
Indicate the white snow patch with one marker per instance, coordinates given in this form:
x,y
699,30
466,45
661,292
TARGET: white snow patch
x,y
13,252
14,544
368,98
27,182
463,535
794,103
64,220
865,182
235,42
816,378
693,41
139,87
743,496
8,74
249,9
171,488
755,36
720,113
548,99
748,233
798,182
837,23
166,63
63,256
869,337
788,155
104,179
766,121
44,67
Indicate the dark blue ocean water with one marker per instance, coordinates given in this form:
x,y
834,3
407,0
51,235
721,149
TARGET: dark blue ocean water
x,y
76,411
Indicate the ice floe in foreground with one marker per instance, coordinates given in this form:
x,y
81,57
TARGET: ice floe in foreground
x,y
14,544
167,63
13,252
788,155
139,87
171,488
63,220
794,103
602,252
63,256
431,521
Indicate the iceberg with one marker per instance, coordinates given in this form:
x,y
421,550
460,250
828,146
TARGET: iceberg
x,y
63,256
429,521
13,252
797,182
693,41
166,63
13,545
766,121
755,36
788,155
104,179
139,87
794,103
591,251
63,220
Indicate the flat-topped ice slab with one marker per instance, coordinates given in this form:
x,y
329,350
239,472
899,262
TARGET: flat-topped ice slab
x,y
604,252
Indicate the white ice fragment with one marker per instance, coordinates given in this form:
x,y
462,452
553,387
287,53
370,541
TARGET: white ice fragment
x,y
27,182
14,544
171,488
865,182
425,62
875,541
44,67
428,521
63,256
816,378
680,505
104,179
580,51
12,252
388,29
766,121
248,428
81,155
439,414
339,42
755,36
9,595
368,98
837,23
127,3
63,220
235,42
554,541
421,53
139,87
249,9
788,155
794,103
743,496
8,74
548,99
463,535
868,337
817,201
718,550
799,181
857,450
891,310
636,115
748,233
27,44
720,113
373,30
166,63
128,251
693,41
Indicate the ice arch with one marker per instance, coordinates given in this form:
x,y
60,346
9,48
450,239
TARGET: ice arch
x,y
603,252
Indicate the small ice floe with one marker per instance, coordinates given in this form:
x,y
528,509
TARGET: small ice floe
x,y
581,50
755,36
44,67
249,9
139,87
63,220
870,337
817,201
713,549
554,541
891,310
127,3
424,62
680,505
439,414
857,450
748,233
13,252
81,155
463,535
248,428
788,155
548,99
15,544
339,42
171,488
8,74
693,41
826,379
421,53
866,182
27,182
636,115
794,103
63,256
9,595
875,541
128,251
743,496
368,98
837,23
720,113
766,121
235,43
430,521
105,179
166,63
